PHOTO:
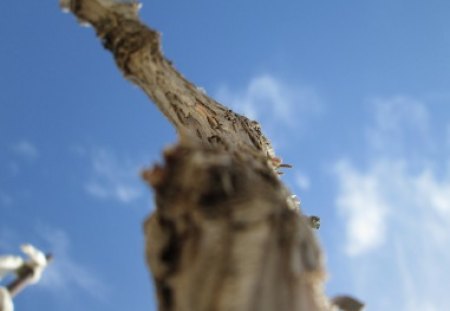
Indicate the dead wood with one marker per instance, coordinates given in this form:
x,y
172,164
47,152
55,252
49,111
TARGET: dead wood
x,y
226,234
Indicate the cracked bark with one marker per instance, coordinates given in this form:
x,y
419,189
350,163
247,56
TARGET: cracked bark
x,y
226,234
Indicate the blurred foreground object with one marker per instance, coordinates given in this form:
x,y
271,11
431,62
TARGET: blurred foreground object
x,y
347,303
28,271
37,262
6,303
9,264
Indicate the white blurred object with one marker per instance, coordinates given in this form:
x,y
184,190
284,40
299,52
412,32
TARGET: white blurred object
x,y
6,303
9,264
36,260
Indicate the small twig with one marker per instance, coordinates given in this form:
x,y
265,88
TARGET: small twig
x,y
285,165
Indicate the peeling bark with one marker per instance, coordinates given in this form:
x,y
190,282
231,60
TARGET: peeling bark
x,y
226,234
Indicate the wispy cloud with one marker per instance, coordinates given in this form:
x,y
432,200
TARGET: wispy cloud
x,y
276,104
25,149
401,124
114,179
302,181
396,209
362,205
65,273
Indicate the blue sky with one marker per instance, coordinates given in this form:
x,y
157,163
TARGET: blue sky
x,y
354,94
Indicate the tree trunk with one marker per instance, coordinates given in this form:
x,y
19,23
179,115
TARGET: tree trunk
x,y
226,233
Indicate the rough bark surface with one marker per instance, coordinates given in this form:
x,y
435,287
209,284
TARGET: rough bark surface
x,y
226,234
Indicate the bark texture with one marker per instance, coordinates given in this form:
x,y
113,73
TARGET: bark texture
x,y
226,234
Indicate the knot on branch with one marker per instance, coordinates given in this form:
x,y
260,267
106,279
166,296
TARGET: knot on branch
x,y
124,37
118,26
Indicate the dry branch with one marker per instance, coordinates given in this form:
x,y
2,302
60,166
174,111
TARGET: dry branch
x,y
226,234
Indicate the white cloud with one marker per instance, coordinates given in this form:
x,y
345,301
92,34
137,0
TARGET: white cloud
x,y
113,190
434,193
400,123
398,222
65,273
113,178
396,210
25,149
302,181
277,105
363,207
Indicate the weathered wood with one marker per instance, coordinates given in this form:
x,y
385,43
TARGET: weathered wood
x,y
225,238
137,52
226,234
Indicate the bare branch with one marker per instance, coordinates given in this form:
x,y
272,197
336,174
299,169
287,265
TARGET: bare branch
x,y
226,235
137,52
